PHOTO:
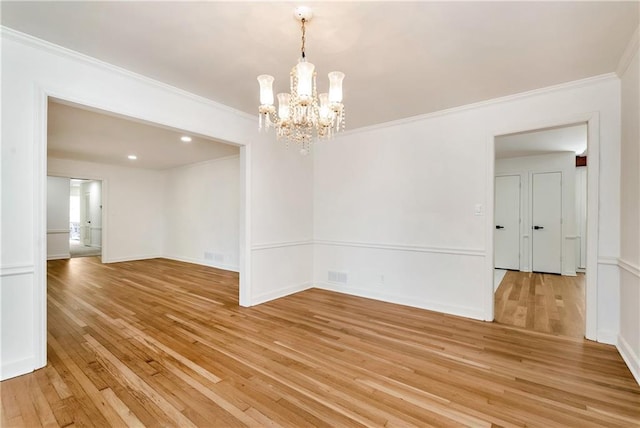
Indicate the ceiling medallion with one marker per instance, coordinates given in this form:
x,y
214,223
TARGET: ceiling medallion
x,y
302,115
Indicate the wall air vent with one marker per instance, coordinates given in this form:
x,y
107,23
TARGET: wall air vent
x,y
337,277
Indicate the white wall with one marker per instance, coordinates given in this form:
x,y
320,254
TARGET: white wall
x,y
282,221
394,205
58,192
202,213
524,167
31,71
629,262
405,192
133,206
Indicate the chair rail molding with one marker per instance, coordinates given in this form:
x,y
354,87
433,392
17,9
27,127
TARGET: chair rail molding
x,y
12,270
282,244
474,252
629,267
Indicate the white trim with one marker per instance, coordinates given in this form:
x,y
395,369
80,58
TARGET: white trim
x,y
402,300
630,358
132,258
17,368
593,226
280,292
244,239
593,200
629,267
607,336
398,247
608,260
39,339
57,231
568,247
59,256
200,262
95,228
489,233
27,39
629,52
271,245
13,270
371,245
487,103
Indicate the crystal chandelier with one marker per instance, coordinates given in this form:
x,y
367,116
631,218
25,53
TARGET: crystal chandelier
x,y
302,114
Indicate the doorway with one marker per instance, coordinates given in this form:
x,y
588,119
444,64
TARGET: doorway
x,y
85,218
539,282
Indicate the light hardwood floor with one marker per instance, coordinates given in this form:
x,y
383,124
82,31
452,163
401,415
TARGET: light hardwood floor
x,y
164,343
542,302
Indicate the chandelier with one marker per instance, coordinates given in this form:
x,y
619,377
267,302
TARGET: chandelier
x,y
302,114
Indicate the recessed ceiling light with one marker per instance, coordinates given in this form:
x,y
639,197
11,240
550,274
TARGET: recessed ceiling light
x,y
132,157
185,139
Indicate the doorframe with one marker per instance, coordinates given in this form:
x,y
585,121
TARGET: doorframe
x,y
104,199
592,119
42,95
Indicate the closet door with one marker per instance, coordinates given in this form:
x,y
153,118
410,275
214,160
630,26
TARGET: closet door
x,y
506,236
546,222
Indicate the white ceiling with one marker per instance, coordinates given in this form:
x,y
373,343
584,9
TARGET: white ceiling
x,y
401,58
542,142
95,136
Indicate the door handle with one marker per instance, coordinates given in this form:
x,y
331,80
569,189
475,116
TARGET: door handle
x,y
499,227
538,227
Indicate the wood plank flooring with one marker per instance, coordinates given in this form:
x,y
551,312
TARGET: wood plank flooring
x,y
542,302
164,343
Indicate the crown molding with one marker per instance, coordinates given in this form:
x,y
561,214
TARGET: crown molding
x,y
487,103
629,52
26,39
34,42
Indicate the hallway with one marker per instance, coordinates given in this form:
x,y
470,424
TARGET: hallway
x,y
542,302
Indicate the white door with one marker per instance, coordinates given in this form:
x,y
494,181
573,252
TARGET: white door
x,y
506,236
546,221
87,219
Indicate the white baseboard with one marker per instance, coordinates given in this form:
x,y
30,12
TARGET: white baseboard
x,y
569,273
203,262
16,368
477,314
281,292
607,336
58,256
630,358
130,258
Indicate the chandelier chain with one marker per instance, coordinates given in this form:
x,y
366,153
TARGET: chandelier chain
x,y
303,38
